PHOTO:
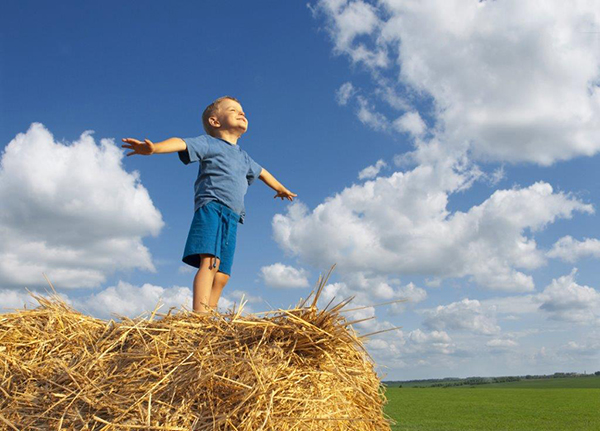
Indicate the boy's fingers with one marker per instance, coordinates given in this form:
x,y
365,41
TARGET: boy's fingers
x,y
131,141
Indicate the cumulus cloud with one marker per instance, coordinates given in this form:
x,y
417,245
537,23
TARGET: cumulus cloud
x,y
372,171
565,300
570,250
236,298
412,123
516,80
504,82
404,223
413,349
369,288
11,299
70,211
468,315
283,276
366,290
438,341
349,21
485,103
126,299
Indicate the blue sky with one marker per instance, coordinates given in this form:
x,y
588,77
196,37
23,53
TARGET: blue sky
x,y
486,123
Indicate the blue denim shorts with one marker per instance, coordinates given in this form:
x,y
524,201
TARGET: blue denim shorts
x,y
213,232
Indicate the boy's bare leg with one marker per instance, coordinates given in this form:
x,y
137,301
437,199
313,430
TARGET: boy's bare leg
x,y
203,282
219,283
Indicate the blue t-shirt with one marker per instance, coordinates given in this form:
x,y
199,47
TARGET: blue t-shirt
x,y
225,172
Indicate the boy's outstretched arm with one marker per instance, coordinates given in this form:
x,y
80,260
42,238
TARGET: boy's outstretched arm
x,y
146,148
270,180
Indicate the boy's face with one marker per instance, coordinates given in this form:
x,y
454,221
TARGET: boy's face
x,y
231,117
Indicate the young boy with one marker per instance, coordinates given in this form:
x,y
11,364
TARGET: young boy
x,y
225,173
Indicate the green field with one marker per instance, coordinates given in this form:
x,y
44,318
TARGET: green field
x,y
548,404
571,383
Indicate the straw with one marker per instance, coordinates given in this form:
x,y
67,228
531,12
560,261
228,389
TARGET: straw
x,y
298,369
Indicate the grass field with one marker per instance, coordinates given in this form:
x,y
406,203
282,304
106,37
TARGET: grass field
x,y
566,383
549,404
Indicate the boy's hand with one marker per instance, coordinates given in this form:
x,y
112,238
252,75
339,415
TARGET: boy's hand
x,y
145,148
285,193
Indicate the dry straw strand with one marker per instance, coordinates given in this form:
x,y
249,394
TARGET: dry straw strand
x,y
300,369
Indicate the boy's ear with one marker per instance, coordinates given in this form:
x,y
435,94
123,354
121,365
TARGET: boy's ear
x,y
214,122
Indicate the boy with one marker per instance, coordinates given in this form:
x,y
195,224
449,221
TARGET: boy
x,y
225,173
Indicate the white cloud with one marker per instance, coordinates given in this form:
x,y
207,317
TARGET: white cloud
x,y
517,80
411,293
565,300
370,289
512,306
413,349
369,117
372,171
403,222
412,123
465,315
126,299
498,175
436,341
496,81
283,276
571,250
13,299
240,294
485,103
499,344
349,21
70,211
344,93
587,348
236,298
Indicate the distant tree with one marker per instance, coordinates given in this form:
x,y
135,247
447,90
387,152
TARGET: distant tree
x,y
597,373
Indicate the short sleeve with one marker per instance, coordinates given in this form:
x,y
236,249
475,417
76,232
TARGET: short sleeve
x,y
254,170
196,150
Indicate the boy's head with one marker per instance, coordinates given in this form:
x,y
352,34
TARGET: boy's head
x,y
224,114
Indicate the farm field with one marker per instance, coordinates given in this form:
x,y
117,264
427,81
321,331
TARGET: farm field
x,y
569,382
554,404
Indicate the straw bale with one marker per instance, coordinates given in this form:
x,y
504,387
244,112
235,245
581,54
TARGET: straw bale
x,y
298,369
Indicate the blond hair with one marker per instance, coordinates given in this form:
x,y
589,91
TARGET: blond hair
x,y
210,111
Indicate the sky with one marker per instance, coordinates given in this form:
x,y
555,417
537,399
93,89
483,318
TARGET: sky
x,y
444,153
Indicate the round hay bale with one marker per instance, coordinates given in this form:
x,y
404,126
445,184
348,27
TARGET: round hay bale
x,y
298,369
